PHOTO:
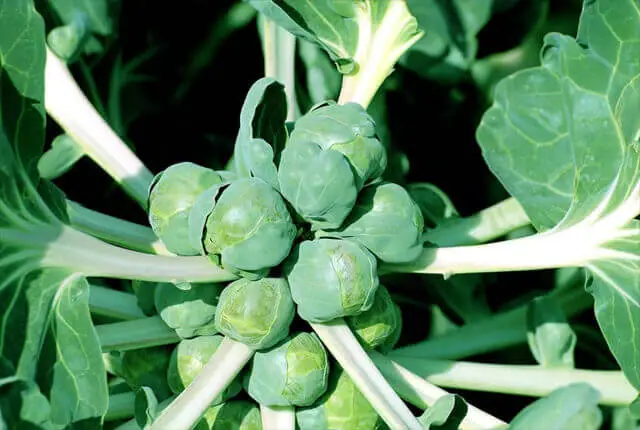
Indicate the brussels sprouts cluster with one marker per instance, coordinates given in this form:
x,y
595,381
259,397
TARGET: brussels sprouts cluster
x,y
304,224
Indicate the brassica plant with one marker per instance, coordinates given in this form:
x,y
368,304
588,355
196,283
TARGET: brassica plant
x,y
311,264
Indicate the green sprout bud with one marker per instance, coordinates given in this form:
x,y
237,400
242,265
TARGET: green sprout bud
x,y
294,373
189,312
256,313
387,221
147,367
332,153
173,193
342,407
380,326
234,414
331,278
188,359
250,228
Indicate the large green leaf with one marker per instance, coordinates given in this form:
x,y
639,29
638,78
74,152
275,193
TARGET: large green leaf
x,y
325,22
449,46
39,305
563,140
22,405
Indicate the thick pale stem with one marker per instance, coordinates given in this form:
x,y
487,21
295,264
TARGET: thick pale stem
x,y
518,379
135,334
114,230
278,417
93,257
70,108
279,48
344,346
485,226
120,406
113,304
423,394
189,406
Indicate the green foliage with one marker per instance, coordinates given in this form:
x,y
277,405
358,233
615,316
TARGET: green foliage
x,y
147,367
551,339
234,414
173,193
331,278
189,312
145,407
293,373
188,359
262,134
64,153
387,221
250,229
256,313
343,406
380,326
562,139
572,407
445,414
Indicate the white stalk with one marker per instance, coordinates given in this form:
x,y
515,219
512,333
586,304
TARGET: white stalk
x,y
422,394
526,380
92,257
215,376
344,346
278,417
69,107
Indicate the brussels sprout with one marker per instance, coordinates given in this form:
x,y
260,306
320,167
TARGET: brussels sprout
x,y
188,359
172,194
380,326
234,414
331,154
256,313
250,228
348,129
189,312
331,278
147,367
293,373
387,221
342,407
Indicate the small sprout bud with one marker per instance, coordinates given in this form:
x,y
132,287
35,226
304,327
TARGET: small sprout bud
x,y
342,407
387,221
189,312
331,278
250,228
171,198
332,153
294,373
380,326
188,359
256,313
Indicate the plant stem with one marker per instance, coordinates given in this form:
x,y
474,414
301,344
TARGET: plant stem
x,y
189,406
498,331
114,230
120,406
422,394
113,304
279,49
344,346
69,107
136,334
526,380
485,226
278,417
92,257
